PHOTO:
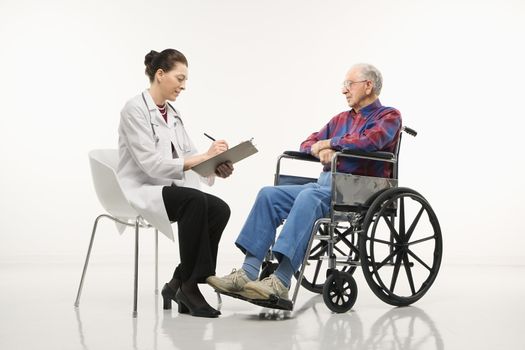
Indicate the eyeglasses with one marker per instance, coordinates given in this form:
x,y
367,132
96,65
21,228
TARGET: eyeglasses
x,y
347,83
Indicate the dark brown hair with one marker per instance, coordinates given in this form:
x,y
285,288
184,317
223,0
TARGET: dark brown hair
x,y
164,60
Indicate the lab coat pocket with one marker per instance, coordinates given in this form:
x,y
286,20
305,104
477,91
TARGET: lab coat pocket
x,y
162,141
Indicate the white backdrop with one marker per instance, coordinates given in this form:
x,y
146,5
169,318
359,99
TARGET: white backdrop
x,y
271,70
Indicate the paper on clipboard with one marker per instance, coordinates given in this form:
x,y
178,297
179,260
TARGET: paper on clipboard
x,y
234,154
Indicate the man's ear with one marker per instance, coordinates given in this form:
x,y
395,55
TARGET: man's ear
x,y
369,87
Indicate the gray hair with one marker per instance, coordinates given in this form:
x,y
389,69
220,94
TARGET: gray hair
x,y
369,72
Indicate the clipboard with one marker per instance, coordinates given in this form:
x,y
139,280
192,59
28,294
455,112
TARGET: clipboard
x,y
234,154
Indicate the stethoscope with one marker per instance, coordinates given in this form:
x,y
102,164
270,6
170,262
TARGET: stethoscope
x,y
186,146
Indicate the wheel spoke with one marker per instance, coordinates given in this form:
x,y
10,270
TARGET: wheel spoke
x,y
418,260
395,273
408,270
382,263
382,241
402,217
422,240
414,223
393,230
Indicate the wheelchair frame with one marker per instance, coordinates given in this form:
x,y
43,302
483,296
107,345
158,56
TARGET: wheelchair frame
x,y
362,202
352,198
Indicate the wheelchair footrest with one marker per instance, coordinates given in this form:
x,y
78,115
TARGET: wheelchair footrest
x,y
273,303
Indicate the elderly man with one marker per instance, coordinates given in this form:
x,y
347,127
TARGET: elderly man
x,y
368,126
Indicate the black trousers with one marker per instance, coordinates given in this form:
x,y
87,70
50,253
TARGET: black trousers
x,y
201,218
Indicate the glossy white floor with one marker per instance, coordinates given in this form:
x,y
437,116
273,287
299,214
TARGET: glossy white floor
x,y
469,307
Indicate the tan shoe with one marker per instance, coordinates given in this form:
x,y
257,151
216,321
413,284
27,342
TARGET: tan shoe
x,y
268,286
232,283
248,294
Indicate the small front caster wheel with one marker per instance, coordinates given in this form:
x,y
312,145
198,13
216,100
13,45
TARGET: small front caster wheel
x,y
340,292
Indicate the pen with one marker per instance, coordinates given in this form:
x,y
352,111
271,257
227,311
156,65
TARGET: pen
x,y
208,136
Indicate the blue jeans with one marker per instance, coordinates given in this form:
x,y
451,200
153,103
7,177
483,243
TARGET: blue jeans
x,y
300,205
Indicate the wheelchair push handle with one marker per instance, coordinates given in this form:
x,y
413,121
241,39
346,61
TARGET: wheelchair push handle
x,y
409,131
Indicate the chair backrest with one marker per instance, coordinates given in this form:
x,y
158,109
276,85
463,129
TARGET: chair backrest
x,y
103,164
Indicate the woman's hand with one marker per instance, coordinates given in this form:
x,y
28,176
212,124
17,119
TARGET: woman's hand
x,y
224,169
217,147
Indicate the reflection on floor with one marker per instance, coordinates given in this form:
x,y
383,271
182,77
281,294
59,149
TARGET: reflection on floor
x,y
469,307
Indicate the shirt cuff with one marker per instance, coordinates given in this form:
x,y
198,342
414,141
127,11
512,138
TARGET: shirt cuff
x,y
208,180
307,150
178,168
335,143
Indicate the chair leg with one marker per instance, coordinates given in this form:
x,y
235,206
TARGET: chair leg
x,y
81,285
156,262
135,284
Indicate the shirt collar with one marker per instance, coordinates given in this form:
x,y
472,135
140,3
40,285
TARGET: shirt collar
x,y
153,108
367,110
149,101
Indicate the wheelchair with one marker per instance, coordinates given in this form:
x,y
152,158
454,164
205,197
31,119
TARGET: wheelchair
x,y
390,231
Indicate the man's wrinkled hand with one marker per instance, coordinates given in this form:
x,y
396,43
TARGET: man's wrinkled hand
x,y
325,156
319,146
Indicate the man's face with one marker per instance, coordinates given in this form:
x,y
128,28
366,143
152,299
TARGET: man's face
x,y
355,88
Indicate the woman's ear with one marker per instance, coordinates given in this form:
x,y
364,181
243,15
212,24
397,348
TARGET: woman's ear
x,y
159,75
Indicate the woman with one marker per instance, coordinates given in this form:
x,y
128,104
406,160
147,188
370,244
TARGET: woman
x,y
156,155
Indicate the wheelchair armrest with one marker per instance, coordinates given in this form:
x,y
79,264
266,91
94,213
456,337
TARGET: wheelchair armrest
x,y
378,155
300,156
278,179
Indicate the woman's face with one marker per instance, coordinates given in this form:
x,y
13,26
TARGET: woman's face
x,y
173,82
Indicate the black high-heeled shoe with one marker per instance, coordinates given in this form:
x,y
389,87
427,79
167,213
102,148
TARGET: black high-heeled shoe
x,y
186,306
168,294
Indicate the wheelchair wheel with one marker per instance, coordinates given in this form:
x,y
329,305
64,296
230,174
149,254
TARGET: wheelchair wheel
x,y
340,291
315,273
401,246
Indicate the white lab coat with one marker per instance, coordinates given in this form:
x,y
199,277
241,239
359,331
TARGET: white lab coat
x,y
146,163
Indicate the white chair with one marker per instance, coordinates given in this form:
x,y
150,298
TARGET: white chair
x,y
103,164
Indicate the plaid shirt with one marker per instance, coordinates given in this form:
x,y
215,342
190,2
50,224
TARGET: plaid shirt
x,y
373,128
